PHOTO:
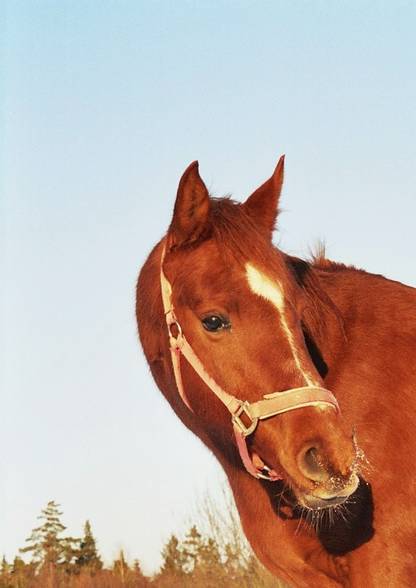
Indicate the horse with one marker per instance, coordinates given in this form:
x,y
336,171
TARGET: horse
x,y
299,376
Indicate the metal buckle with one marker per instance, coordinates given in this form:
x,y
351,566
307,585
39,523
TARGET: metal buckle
x,y
239,424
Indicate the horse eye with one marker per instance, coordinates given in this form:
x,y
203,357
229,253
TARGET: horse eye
x,y
215,323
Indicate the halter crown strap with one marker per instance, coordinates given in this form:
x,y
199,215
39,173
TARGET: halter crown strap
x,y
270,405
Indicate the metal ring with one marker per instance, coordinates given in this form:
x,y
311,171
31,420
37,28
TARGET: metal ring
x,y
175,323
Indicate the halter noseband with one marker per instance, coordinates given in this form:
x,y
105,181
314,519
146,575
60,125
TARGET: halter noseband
x,y
270,405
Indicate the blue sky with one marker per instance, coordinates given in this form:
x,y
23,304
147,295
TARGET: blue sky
x,y
103,106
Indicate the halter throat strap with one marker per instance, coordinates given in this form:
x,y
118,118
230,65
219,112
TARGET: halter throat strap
x,y
245,416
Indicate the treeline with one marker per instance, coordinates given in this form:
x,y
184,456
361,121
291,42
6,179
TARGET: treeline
x,y
217,557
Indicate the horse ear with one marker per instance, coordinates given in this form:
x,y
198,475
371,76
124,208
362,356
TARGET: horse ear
x,y
262,205
192,208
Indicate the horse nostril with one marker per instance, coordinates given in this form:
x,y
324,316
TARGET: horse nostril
x,y
311,465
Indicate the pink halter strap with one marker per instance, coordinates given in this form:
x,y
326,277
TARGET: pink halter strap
x,y
269,406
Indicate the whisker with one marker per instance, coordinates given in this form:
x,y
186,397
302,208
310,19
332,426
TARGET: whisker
x,y
297,526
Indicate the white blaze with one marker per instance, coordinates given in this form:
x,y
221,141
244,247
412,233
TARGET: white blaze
x,y
272,291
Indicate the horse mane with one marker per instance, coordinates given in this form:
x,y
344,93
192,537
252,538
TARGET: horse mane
x,y
320,261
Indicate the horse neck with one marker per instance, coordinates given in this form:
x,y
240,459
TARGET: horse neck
x,y
338,301
361,310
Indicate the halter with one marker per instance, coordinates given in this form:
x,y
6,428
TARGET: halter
x,y
270,405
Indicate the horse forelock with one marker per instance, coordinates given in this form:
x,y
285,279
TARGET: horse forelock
x,y
237,233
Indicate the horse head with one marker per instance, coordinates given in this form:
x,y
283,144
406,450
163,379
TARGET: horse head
x,y
235,312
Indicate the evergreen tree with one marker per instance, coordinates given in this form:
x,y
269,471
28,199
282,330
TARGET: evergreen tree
x,y
209,555
44,542
18,565
20,573
192,547
5,571
5,567
48,548
174,559
208,568
87,556
232,562
121,567
139,579
70,551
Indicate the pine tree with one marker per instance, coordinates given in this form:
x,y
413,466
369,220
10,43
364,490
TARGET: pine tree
x,y
5,571
5,567
87,556
209,554
48,548
232,564
173,558
44,543
121,567
140,580
192,547
70,551
19,572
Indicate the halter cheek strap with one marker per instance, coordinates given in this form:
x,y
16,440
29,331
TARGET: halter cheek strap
x,y
244,415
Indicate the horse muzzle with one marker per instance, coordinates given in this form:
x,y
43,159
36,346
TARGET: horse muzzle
x,y
331,493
